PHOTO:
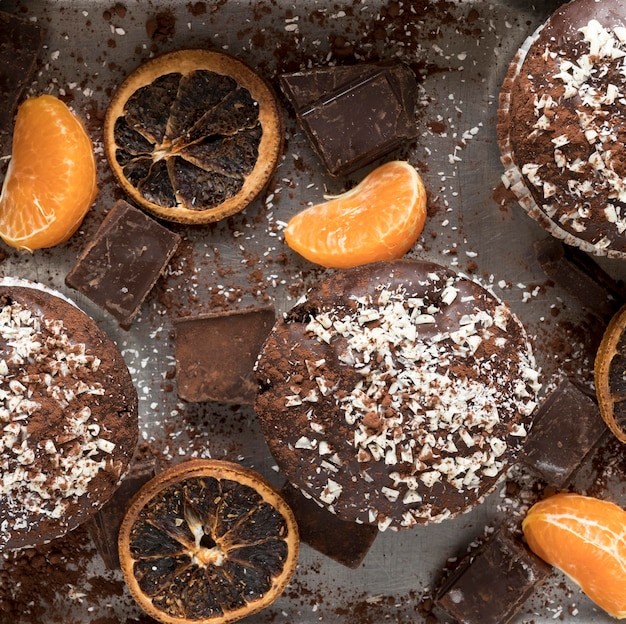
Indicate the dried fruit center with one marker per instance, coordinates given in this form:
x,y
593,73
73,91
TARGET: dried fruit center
x,y
189,140
207,546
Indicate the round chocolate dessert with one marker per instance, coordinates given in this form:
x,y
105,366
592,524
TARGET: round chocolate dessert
x,y
396,393
562,126
68,412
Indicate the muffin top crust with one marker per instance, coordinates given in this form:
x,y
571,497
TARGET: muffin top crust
x,y
68,413
561,126
396,393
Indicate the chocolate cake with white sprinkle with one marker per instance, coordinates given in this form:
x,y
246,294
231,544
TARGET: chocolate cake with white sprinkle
x,y
561,127
68,416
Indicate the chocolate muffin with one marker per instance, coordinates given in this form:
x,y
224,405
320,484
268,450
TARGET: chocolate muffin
x,y
68,412
396,393
562,130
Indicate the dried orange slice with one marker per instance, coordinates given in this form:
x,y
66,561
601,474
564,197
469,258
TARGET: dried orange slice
x,y
207,541
193,136
379,219
585,538
51,179
610,375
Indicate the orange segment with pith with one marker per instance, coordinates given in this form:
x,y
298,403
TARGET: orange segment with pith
x,y
585,538
379,219
51,178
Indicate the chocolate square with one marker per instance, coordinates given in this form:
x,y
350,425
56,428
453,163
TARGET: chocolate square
x,y
490,585
353,115
216,353
566,427
20,42
345,542
574,270
105,525
123,261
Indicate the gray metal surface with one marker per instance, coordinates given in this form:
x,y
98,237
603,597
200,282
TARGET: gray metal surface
x,y
462,50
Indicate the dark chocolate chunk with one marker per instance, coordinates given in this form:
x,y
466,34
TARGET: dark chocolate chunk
x,y
490,585
20,42
104,527
353,115
582,277
119,267
345,542
567,426
216,353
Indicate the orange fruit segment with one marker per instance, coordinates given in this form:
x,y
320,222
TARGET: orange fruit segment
x,y
379,219
51,179
207,541
585,538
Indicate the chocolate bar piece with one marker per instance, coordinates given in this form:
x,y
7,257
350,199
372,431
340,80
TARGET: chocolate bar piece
x,y
345,542
490,585
216,352
105,525
575,271
119,267
353,115
20,42
566,427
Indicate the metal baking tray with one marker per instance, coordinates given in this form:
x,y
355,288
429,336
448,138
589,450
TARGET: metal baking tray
x,y
460,52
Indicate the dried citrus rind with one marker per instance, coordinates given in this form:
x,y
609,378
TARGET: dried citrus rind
x,y
207,541
194,136
610,375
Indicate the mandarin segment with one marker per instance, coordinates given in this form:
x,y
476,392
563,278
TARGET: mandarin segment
x,y
51,178
379,219
207,541
193,136
585,538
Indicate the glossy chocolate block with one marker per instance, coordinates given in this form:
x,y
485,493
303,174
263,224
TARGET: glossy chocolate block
x,y
20,42
574,270
215,354
104,527
345,542
354,115
490,585
567,426
119,267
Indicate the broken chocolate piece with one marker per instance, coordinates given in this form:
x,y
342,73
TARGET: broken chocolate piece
x,y
20,42
490,585
122,263
216,353
354,115
567,426
345,542
582,277
104,527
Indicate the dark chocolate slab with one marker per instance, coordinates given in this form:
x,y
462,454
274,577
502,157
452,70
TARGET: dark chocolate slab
x,y
216,353
119,267
354,115
491,585
574,270
20,42
567,426
345,542
104,527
